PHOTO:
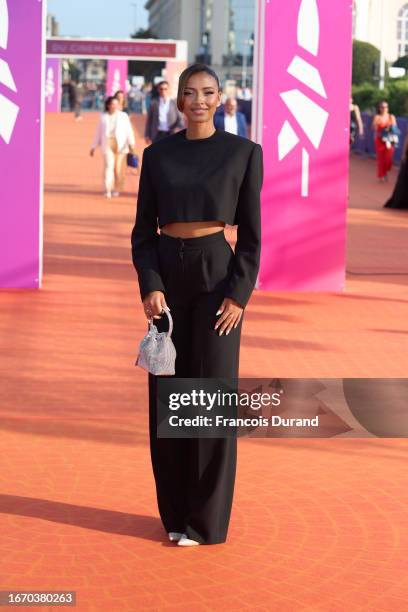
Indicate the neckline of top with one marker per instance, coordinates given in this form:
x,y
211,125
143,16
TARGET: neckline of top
x,y
208,138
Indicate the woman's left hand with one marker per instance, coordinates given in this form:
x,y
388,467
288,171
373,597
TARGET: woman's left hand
x,y
230,317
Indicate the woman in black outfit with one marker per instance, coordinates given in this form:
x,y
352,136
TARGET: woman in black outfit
x,y
399,197
192,184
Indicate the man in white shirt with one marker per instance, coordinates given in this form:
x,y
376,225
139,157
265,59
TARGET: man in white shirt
x,y
163,117
230,119
164,105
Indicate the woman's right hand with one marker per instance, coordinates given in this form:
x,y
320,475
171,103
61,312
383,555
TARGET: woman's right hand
x,y
154,304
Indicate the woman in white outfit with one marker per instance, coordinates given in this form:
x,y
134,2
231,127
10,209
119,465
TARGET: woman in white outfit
x,y
114,135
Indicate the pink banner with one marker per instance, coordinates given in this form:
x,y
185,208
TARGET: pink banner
x,y
110,48
306,80
21,110
117,73
53,85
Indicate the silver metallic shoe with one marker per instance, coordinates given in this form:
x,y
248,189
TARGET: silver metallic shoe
x,y
174,536
185,541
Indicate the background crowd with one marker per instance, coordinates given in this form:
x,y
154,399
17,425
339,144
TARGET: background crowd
x,y
115,136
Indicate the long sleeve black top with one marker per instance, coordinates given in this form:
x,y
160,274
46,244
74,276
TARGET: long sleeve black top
x,y
214,178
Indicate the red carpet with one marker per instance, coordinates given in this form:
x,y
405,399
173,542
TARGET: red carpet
x,y
316,524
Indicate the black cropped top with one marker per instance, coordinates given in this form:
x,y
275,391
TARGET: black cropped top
x,y
206,179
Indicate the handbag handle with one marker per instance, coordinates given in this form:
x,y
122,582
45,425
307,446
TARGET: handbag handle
x,y
170,318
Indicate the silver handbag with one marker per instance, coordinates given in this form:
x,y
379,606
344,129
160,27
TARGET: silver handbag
x,y
157,353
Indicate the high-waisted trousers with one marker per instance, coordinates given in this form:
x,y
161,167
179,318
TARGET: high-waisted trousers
x,y
195,477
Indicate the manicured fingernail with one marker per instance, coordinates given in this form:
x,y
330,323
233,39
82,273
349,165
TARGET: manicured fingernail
x,y
221,332
218,312
226,333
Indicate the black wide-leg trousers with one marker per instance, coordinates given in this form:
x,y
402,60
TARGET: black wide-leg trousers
x,y
195,476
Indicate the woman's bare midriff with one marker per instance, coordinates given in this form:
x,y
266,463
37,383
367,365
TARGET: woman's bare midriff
x,y
192,229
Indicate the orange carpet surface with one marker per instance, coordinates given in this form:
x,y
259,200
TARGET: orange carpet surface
x,y
316,525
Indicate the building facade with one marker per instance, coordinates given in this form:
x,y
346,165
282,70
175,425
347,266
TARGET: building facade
x,y
178,19
383,23
218,32
52,25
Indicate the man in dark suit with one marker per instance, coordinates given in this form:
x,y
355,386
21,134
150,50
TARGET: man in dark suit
x,y
163,117
230,119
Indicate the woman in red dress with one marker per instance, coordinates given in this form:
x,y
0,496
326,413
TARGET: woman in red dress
x,y
384,149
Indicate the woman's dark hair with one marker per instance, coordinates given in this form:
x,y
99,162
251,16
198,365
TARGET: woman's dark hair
x,y
108,101
154,93
120,91
186,74
379,106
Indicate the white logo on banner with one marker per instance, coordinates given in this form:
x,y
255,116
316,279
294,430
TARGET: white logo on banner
x,y
49,85
8,110
116,81
311,117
